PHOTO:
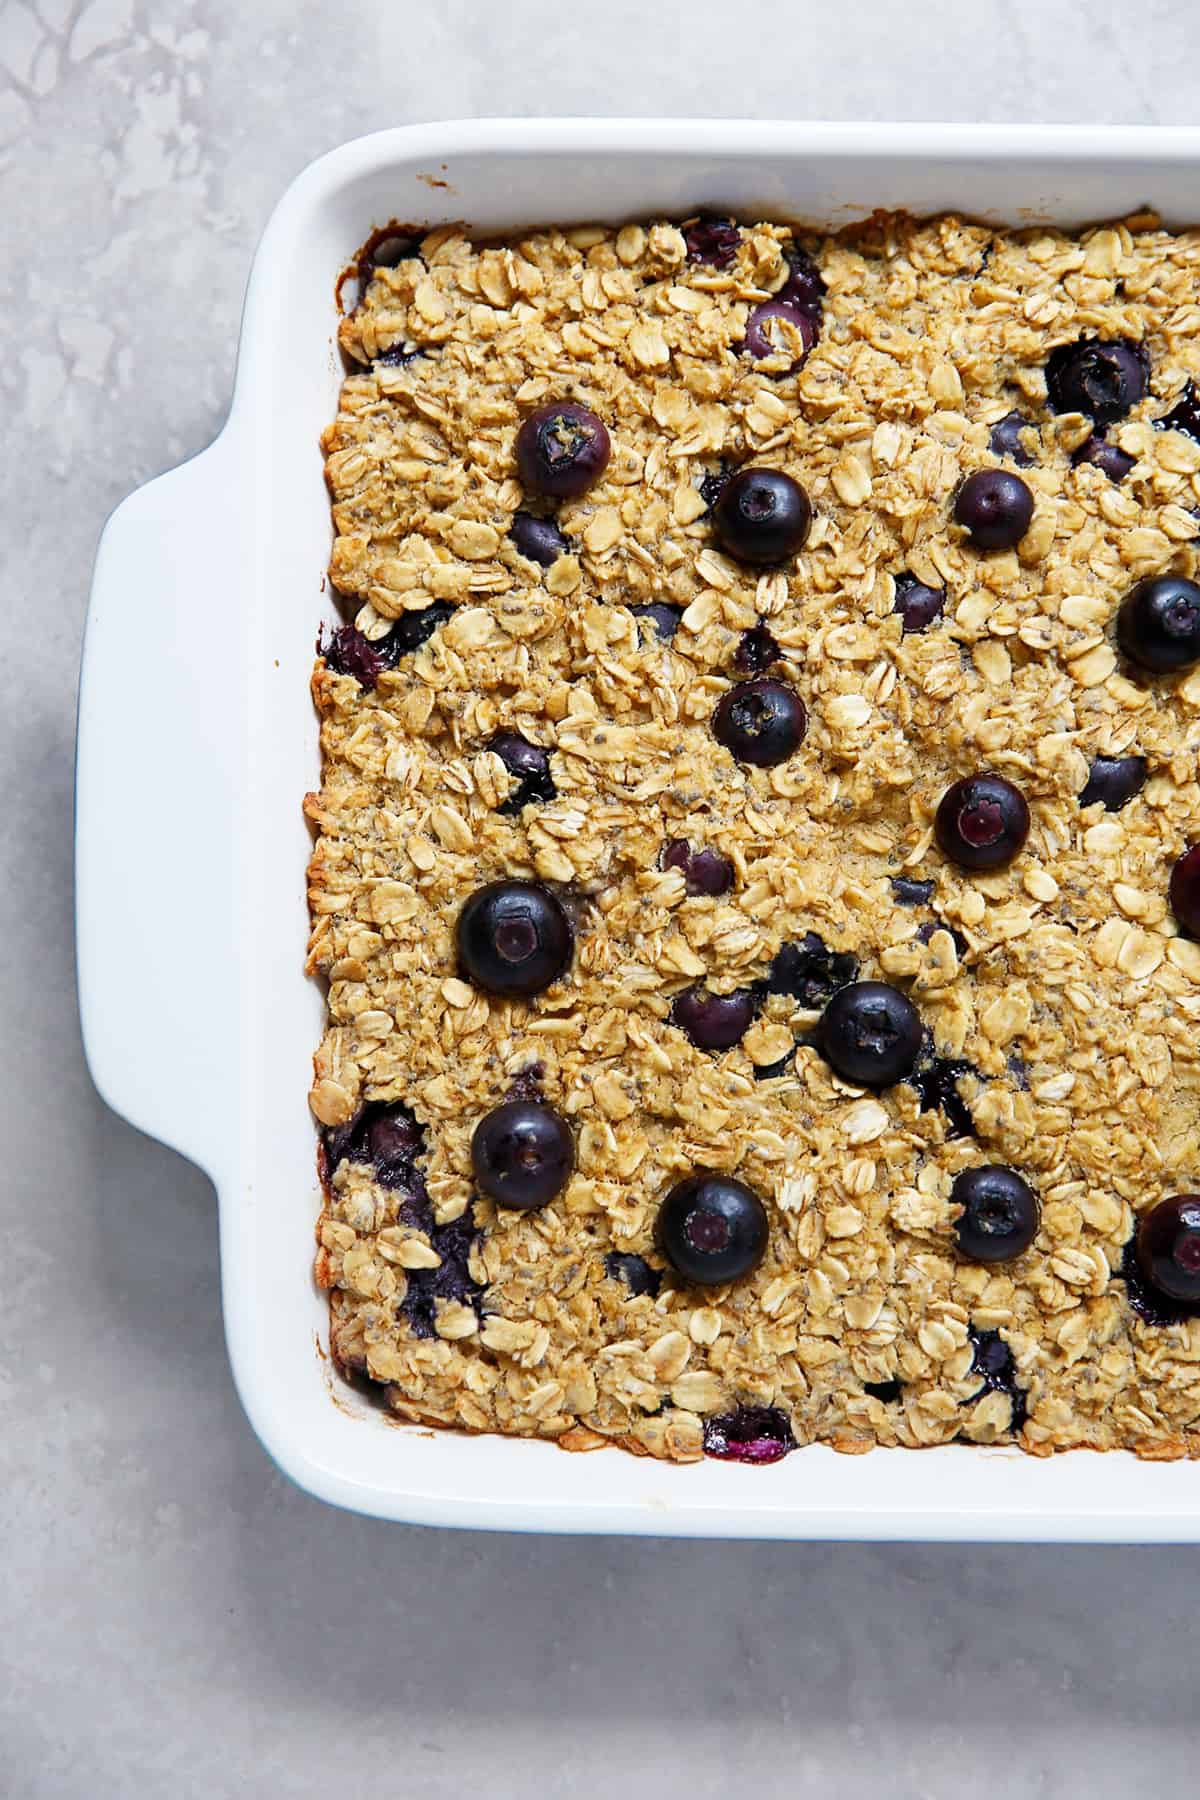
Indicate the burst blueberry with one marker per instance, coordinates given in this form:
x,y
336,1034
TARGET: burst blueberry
x,y
776,328
1098,453
757,650
662,620
639,1276
712,242
528,764
1004,439
749,1434
1101,379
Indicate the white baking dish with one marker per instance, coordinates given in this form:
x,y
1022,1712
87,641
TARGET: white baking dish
x,y
197,740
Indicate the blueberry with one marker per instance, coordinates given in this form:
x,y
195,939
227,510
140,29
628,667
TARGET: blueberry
x,y
412,629
992,1358
937,1084
912,893
399,355
713,242
769,1071
528,764
561,449
712,1229
756,651
805,285
887,1391
1114,780
777,328
810,972
348,652
1185,414
1106,457
761,722
1005,439
749,1434
982,822
1102,380
870,1034
714,484
1185,890
1000,1213
704,871
451,1281
1149,1302
639,1276
917,604
1168,1248
763,516
714,1021
514,938
538,539
1158,625
663,619
994,508
384,1134
522,1154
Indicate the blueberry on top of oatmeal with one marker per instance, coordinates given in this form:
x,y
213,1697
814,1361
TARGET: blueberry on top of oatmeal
x,y
762,516
712,1229
1100,379
1168,1247
870,1033
514,938
562,448
1000,1213
522,1154
994,508
982,822
761,722
1158,625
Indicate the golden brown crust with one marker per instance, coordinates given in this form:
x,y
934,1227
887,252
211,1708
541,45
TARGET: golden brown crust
x,y
1067,986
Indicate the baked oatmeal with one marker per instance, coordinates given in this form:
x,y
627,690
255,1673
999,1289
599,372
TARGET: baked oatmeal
x,y
752,869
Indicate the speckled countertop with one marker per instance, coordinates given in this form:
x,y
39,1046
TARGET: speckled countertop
x,y
176,1620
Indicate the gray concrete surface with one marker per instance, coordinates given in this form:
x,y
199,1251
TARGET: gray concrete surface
x,y
174,1620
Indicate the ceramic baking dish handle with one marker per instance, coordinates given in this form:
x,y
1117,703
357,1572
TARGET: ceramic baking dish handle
x,y
154,837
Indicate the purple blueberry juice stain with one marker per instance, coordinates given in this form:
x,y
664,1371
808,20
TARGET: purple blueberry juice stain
x,y
389,1139
749,1434
993,1360
936,1081
810,972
